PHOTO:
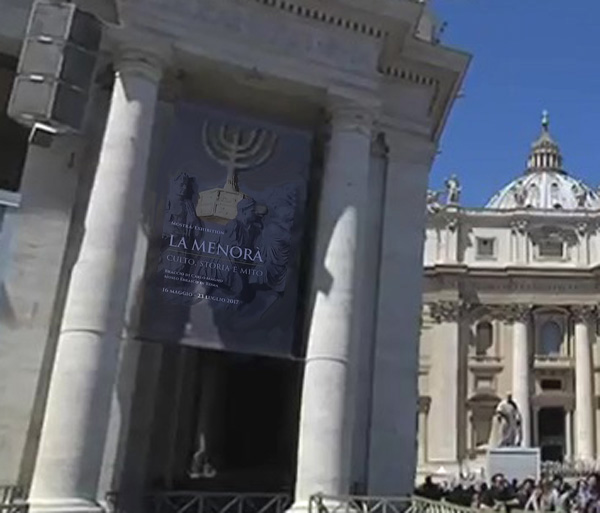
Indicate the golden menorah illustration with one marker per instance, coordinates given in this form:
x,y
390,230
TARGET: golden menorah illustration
x,y
237,150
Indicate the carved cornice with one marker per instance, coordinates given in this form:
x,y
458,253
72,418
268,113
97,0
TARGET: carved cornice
x,y
322,15
584,313
512,313
409,75
445,311
522,280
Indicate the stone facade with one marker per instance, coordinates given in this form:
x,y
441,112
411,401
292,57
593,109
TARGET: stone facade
x,y
78,392
510,306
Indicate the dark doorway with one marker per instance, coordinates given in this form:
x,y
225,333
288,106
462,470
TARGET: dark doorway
x,y
551,433
260,419
228,423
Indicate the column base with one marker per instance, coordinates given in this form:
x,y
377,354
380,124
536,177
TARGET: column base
x,y
65,505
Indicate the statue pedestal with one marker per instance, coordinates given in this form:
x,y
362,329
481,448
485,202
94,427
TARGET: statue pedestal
x,y
514,462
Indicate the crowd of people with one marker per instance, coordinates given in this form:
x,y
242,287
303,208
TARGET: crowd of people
x,y
548,494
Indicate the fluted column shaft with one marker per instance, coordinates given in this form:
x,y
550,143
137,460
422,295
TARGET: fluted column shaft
x,y
584,390
324,454
72,440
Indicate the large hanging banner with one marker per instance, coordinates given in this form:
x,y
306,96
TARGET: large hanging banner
x,y
223,272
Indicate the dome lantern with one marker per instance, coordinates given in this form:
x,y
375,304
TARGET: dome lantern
x,y
545,153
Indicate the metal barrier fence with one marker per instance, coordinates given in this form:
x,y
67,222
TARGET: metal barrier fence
x,y
12,499
201,502
570,469
366,504
420,505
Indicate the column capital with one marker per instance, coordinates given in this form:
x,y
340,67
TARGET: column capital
x,y
379,148
451,221
584,313
445,311
407,146
140,61
519,226
584,228
512,313
350,115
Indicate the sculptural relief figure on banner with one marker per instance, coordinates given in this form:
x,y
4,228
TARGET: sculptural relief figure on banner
x,y
181,218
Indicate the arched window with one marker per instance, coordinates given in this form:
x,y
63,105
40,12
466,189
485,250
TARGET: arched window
x,y
483,338
551,337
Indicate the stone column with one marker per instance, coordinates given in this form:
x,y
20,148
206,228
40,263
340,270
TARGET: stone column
x,y
451,236
393,433
518,316
568,435
74,431
368,293
424,405
519,242
584,316
443,425
324,445
583,232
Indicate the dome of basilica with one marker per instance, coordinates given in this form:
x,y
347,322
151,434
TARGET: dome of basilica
x,y
545,184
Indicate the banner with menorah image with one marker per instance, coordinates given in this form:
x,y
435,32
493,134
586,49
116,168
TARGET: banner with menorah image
x,y
233,195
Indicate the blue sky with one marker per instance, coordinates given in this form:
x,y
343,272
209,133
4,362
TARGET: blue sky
x,y
528,55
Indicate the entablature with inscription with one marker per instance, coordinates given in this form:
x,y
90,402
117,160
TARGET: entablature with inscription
x,y
366,48
475,281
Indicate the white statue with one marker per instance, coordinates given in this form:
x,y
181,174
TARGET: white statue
x,y
580,193
507,428
520,193
453,190
200,466
534,195
433,201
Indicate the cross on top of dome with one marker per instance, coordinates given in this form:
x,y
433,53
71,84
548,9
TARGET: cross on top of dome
x,y
545,120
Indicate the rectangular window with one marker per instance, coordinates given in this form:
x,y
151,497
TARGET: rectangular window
x,y
551,384
551,249
486,247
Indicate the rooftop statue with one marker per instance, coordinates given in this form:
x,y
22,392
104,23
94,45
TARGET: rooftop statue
x,y
433,201
581,194
453,190
520,193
